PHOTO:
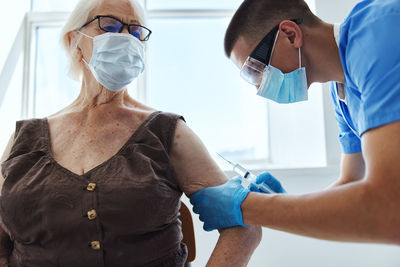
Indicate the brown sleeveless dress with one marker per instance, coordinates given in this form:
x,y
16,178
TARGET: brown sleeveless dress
x,y
122,213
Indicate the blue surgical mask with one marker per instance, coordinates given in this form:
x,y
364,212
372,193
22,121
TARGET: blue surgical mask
x,y
117,59
282,87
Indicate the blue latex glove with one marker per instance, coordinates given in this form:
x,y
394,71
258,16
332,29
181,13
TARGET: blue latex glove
x,y
269,180
219,206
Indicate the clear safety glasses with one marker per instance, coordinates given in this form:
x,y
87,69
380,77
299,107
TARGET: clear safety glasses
x,y
253,68
111,24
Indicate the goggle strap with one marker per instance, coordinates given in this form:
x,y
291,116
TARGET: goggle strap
x,y
273,47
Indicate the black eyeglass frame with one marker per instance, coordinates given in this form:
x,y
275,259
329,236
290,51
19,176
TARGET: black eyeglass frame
x,y
123,25
263,50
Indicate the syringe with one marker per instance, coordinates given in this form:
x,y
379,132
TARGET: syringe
x,y
246,174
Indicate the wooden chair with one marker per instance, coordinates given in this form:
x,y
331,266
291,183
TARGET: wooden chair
x,y
188,233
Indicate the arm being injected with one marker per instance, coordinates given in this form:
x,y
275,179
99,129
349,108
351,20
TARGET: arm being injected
x,y
248,177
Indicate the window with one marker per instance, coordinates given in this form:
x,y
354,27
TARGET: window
x,y
186,73
11,65
189,74
51,81
53,5
11,108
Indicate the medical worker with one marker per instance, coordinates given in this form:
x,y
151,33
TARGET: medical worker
x,y
282,48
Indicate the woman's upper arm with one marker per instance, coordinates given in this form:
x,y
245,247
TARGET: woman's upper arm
x,y
194,167
196,170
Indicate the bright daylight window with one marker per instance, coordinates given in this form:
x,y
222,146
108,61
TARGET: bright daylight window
x,y
186,73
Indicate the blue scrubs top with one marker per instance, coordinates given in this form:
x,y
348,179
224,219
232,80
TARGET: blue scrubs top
x,y
369,49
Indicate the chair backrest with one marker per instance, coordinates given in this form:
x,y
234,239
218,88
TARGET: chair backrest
x,y
188,232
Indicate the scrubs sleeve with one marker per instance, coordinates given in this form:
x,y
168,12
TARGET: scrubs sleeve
x,y
373,58
349,142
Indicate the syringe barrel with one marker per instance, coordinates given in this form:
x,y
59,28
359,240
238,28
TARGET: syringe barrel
x,y
262,187
240,170
250,178
265,188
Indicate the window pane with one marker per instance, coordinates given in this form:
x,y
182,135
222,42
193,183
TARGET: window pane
x,y
53,88
56,5
189,74
53,5
193,4
10,110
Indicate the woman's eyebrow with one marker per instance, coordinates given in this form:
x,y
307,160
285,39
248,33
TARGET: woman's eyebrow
x,y
134,21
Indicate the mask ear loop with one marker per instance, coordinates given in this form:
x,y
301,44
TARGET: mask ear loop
x,y
84,34
299,58
273,47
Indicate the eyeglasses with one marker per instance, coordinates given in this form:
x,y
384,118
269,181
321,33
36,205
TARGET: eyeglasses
x,y
252,70
111,24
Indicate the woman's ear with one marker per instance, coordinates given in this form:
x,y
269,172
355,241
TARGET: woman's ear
x,y
74,46
293,32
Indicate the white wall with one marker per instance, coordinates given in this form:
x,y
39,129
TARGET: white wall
x,y
279,249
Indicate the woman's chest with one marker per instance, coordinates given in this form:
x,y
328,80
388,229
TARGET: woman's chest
x,y
82,149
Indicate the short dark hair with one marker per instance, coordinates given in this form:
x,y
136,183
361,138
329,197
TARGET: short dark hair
x,y
255,18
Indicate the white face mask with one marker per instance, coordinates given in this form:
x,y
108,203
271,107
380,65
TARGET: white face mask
x,y
117,59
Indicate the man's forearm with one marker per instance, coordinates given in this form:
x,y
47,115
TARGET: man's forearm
x,y
355,212
235,246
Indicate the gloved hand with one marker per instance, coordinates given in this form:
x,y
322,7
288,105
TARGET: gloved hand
x,y
269,180
219,206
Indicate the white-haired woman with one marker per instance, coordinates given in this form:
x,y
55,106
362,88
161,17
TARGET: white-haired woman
x,y
99,183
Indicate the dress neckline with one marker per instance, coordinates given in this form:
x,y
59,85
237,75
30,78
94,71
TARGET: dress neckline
x,y
46,134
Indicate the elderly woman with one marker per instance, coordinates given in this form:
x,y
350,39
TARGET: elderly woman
x,y
99,183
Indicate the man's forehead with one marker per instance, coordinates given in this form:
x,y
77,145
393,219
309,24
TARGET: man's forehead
x,y
241,51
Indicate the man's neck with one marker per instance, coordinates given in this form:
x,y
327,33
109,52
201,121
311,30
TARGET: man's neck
x,y
323,56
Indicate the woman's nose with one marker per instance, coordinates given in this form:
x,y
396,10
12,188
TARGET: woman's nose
x,y
125,29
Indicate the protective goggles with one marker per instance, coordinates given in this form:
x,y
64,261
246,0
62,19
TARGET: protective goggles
x,y
111,24
253,68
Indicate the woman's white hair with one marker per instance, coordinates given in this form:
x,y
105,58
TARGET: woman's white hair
x,y
78,17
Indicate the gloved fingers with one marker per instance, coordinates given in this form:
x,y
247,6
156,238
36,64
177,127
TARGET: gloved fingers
x,y
219,207
206,225
271,181
253,188
199,197
264,177
201,218
208,228
276,185
196,209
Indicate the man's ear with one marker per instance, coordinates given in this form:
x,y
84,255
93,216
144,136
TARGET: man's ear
x,y
293,32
